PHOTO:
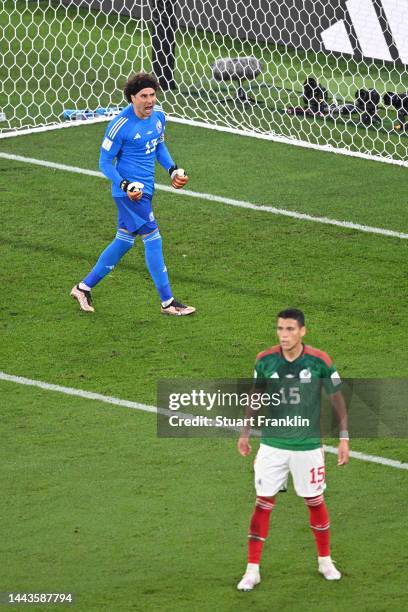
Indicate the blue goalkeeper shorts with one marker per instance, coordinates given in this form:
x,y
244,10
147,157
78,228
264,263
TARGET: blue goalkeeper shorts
x,y
136,217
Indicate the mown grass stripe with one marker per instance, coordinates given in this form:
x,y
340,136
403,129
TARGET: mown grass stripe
x,y
228,201
20,380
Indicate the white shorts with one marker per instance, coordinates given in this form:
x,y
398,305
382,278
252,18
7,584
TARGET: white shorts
x,y
272,466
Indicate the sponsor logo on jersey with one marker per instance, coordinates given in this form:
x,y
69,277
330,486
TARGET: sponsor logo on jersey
x,y
335,378
149,132
289,376
137,136
159,126
107,144
274,375
151,216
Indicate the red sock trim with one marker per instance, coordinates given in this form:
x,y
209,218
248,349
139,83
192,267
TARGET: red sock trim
x,y
320,524
259,528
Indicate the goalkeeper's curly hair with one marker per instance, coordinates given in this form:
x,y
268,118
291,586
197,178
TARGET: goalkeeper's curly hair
x,y
139,81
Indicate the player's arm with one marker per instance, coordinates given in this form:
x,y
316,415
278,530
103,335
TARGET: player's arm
x,y
244,447
109,150
332,384
178,176
340,410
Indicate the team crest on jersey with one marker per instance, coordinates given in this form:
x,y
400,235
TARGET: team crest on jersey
x,y
305,375
159,126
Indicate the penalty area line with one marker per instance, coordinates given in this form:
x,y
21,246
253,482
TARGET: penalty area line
x,y
116,401
282,212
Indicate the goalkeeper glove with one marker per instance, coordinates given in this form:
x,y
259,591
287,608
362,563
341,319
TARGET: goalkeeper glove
x,y
132,189
178,177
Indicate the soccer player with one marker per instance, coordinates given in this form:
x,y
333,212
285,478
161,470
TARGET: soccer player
x,y
135,139
298,371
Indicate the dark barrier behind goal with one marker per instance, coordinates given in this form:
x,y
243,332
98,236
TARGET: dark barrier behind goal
x,y
357,27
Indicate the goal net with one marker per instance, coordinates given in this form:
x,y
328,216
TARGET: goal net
x,y
329,75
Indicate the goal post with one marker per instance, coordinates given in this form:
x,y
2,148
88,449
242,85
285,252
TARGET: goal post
x,y
330,75
163,29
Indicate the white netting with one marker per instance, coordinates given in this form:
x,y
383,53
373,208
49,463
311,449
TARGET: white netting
x,y
239,65
59,56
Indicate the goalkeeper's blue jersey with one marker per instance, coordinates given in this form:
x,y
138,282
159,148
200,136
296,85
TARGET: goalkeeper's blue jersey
x,y
130,148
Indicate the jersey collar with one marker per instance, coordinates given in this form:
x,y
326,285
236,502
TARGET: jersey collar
x,y
294,360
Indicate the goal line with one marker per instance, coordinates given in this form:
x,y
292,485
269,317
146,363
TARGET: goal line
x,y
219,128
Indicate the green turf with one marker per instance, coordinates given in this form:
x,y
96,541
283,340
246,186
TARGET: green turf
x,y
128,522
324,185
93,501
324,269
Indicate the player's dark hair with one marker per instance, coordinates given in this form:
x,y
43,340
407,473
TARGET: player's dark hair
x,y
292,313
139,81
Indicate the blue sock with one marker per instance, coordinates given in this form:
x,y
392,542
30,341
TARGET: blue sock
x,y
156,266
109,258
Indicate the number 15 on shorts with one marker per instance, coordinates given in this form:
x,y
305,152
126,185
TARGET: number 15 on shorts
x,y
317,475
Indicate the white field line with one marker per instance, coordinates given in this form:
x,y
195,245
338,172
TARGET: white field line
x,y
53,126
228,201
20,380
271,136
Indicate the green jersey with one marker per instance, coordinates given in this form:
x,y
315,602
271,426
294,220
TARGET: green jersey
x,y
294,423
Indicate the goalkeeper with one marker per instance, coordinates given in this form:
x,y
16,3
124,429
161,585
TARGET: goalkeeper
x,y
135,139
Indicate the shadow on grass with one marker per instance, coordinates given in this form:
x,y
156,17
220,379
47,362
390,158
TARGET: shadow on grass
x,y
234,288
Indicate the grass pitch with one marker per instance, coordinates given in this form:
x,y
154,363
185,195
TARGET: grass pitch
x,y
93,502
